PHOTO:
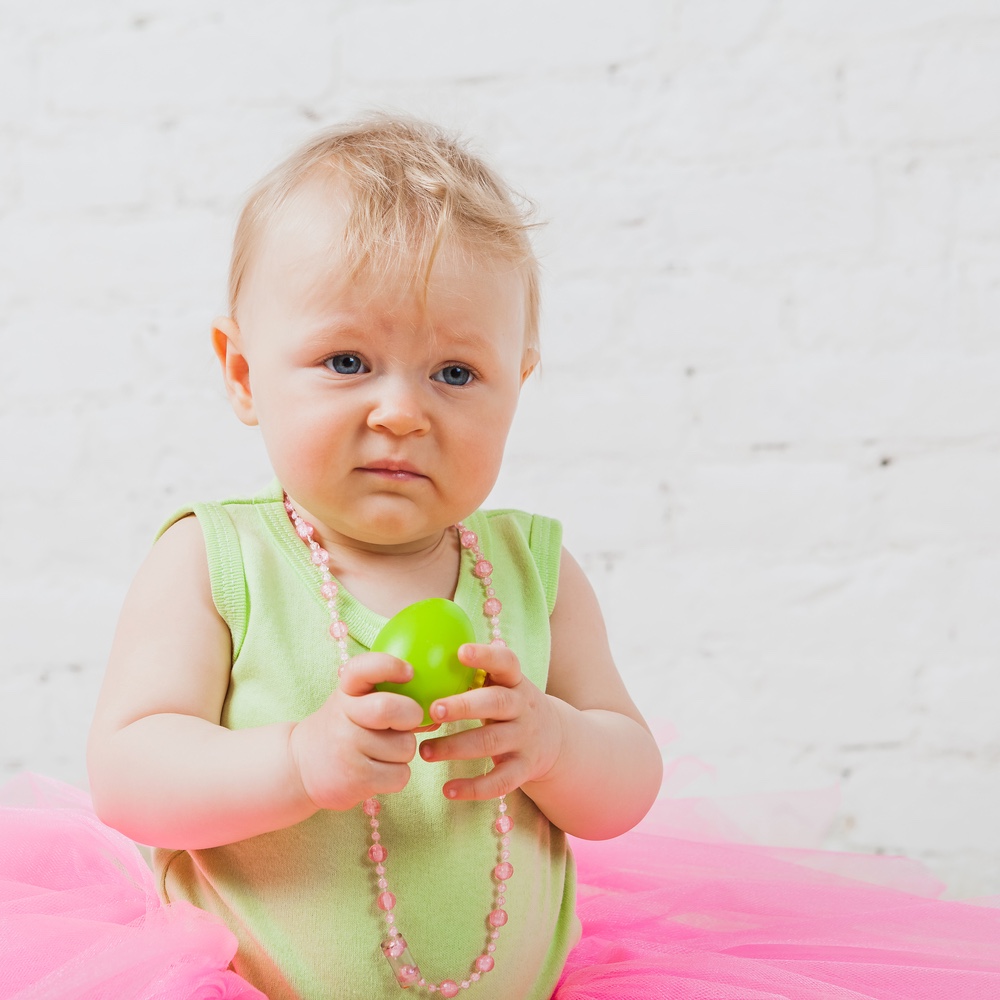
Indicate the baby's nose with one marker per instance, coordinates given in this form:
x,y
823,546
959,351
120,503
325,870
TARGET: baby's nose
x,y
399,407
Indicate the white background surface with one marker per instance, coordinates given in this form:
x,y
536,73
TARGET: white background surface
x,y
768,416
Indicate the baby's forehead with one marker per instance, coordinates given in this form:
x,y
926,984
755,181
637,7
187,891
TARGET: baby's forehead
x,y
310,221
314,229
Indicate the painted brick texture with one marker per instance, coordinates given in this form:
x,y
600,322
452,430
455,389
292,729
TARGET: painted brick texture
x,y
769,411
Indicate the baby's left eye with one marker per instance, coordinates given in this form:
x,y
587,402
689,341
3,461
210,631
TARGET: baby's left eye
x,y
454,375
346,364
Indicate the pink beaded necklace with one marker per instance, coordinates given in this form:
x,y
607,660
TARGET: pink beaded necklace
x,y
395,947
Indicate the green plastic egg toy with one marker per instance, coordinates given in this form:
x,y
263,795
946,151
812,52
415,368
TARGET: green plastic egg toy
x,y
427,636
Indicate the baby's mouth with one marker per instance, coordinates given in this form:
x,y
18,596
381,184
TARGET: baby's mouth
x,y
396,471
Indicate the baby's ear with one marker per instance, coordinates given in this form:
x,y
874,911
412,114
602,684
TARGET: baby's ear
x,y
227,342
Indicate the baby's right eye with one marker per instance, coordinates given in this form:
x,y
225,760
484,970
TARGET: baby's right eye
x,y
346,364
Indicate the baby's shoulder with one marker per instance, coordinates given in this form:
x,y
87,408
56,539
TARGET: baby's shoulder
x,y
518,539
506,525
520,520
222,516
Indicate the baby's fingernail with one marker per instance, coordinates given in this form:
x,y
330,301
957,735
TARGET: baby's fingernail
x,y
439,711
425,751
450,793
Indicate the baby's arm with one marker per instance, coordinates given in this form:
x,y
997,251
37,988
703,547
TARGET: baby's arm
x,y
164,771
581,750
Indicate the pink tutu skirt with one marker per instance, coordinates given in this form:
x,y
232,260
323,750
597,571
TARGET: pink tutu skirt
x,y
681,919
664,916
80,918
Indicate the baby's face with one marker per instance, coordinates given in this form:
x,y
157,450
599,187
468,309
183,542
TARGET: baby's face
x,y
384,411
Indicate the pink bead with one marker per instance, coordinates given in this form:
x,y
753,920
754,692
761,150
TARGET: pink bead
x,y
395,947
492,607
504,824
386,901
498,917
483,568
338,629
304,529
372,807
469,539
497,642
484,963
408,975
502,872
378,853
449,988
475,977
329,591
320,557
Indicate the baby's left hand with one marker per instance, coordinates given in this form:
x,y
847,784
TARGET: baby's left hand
x,y
521,728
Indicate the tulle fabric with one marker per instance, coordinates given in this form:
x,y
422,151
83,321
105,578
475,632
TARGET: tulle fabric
x,y
80,918
676,910
666,916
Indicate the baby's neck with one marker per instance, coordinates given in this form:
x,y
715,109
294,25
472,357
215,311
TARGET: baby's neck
x,y
388,582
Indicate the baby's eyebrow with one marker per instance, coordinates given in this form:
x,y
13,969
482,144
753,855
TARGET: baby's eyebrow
x,y
465,337
354,333
325,331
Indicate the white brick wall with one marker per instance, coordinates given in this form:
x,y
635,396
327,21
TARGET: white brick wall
x,y
770,335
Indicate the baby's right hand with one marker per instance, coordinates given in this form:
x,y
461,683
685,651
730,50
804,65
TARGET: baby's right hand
x,y
360,741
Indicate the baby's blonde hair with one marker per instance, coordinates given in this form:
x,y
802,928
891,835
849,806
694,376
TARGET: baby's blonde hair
x,y
413,187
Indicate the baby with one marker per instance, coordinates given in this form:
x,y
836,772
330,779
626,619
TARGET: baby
x,y
383,318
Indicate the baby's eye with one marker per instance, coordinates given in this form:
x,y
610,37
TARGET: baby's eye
x,y
454,375
346,364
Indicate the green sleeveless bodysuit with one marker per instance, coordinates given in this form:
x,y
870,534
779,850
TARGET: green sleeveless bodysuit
x,y
301,900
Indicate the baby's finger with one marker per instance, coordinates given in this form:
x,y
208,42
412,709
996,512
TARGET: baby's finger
x,y
503,779
380,710
500,662
388,746
472,744
387,778
361,673
496,703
